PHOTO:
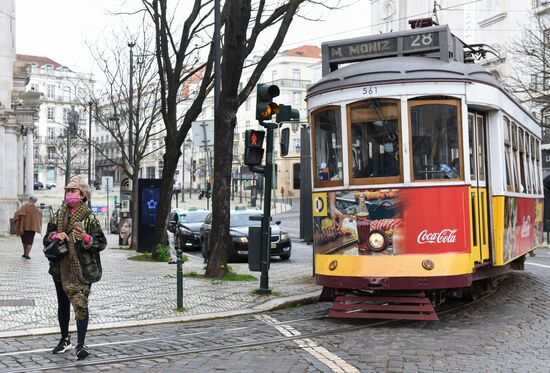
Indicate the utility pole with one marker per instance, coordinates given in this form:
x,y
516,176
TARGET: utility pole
x,y
183,174
131,105
90,103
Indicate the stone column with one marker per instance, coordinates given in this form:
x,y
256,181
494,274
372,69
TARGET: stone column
x,y
29,164
20,164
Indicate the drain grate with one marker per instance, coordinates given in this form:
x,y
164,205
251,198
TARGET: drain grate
x,y
16,302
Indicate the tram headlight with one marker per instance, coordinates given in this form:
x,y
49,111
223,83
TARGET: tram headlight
x,y
377,240
427,264
332,266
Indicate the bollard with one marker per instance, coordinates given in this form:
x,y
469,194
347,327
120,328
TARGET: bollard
x,y
179,277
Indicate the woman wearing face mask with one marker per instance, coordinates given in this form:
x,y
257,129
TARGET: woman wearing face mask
x,y
77,228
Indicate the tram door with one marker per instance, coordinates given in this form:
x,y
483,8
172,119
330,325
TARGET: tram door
x,y
478,192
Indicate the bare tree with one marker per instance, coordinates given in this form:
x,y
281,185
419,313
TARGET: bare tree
x,y
243,21
111,111
178,48
529,79
78,147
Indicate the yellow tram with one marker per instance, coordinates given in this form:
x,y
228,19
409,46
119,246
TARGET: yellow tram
x,y
427,177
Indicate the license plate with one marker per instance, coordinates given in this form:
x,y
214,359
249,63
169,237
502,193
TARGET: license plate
x,y
273,245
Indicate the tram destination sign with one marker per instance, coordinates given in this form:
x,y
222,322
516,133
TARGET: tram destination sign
x,y
428,40
367,49
433,41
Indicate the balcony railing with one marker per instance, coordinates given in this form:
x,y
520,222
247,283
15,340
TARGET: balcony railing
x,y
292,83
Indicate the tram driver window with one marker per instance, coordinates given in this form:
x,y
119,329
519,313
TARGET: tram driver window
x,y
375,146
435,139
328,144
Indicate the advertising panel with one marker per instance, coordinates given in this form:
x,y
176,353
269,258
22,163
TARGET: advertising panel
x,y
523,226
148,198
392,221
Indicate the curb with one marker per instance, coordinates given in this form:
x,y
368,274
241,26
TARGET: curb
x,y
271,305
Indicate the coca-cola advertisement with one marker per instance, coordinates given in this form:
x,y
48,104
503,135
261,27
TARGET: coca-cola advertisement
x,y
522,226
392,221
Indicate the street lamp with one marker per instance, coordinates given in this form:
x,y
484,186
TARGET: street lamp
x,y
188,145
131,45
72,119
90,103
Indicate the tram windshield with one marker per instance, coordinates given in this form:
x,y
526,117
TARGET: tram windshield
x,y
328,144
375,139
435,139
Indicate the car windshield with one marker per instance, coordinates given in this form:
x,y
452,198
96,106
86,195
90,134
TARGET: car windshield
x,y
193,217
239,220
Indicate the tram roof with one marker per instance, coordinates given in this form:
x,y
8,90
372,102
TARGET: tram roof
x,y
395,69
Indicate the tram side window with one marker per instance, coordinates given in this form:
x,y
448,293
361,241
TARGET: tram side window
x,y
519,175
374,151
435,137
328,144
529,141
508,156
536,160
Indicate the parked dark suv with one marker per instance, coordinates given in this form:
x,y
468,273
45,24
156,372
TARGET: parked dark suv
x,y
239,221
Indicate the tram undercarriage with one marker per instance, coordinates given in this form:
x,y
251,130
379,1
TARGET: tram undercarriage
x,y
413,304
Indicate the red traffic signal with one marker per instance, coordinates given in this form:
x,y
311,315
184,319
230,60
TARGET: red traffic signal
x,y
253,151
254,138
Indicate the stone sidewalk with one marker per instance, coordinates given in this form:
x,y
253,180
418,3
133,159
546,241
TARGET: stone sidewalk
x,y
138,293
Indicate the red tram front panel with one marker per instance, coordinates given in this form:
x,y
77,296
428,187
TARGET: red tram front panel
x,y
422,220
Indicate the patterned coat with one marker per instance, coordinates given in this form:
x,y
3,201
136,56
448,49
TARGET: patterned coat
x,y
88,255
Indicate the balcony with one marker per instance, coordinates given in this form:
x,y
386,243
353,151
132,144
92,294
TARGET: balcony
x,y
291,83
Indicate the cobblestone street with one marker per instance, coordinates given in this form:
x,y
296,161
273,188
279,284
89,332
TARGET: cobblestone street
x,y
131,291
507,332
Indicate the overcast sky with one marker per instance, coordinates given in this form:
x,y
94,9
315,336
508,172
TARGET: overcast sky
x,y
59,29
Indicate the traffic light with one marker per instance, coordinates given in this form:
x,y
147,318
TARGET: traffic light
x,y
253,151
287,114
265,107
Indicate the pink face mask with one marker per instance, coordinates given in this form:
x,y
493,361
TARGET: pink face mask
x,y
72,199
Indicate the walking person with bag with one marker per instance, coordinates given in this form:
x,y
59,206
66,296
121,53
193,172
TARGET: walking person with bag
x,y
28,221
75,238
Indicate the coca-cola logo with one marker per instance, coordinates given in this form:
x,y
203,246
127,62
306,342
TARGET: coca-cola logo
x,y
445,236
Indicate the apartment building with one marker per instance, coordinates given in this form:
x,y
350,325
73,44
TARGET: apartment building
x,y
61,89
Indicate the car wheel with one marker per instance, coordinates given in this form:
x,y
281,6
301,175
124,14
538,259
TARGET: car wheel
x,y
232,255
285,257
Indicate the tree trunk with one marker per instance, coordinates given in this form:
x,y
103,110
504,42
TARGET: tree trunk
x,y
167,185
220,242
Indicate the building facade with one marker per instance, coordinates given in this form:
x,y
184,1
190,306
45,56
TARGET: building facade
x,y
18,112
292,71
61,89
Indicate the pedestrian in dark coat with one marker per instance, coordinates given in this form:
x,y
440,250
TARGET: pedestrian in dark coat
x,y
28,221
77,228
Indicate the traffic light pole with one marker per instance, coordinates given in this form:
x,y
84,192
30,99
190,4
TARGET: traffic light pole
x,y
267,171
266,217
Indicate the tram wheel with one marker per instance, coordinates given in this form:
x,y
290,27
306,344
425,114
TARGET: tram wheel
x,y
327,295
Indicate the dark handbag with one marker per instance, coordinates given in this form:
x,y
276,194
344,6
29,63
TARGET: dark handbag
x,y
13,226
55,251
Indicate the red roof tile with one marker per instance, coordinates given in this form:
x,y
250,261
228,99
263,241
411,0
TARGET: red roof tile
x,y
311,51
38,60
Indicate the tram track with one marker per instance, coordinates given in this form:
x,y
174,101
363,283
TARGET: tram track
x,y
233,346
